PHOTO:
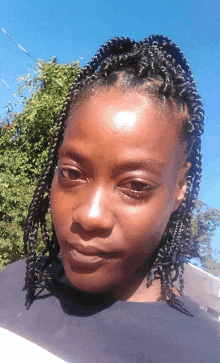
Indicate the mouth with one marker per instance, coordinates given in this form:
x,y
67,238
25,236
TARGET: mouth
x,y
87,258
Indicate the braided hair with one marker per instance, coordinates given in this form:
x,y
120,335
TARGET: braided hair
x,y
157,66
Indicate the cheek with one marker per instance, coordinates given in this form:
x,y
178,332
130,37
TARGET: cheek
x,y
60,208
146,224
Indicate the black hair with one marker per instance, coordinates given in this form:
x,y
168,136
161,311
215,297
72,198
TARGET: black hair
x,y
155,65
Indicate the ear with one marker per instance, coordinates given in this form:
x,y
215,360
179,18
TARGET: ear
x,y
181,185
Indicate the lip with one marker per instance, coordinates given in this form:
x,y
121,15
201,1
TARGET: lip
x,y
87,259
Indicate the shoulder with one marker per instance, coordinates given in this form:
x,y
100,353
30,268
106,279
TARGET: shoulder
x,y
13,290
12,282
201,316
21,265
169,319
13,274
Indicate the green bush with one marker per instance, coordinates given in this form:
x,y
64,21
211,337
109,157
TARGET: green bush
x,y
24,148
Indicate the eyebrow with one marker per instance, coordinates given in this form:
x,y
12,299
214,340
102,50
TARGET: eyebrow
x,y
147,164
153,165
74,155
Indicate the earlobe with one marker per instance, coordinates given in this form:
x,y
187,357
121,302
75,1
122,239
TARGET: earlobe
x,y
181,185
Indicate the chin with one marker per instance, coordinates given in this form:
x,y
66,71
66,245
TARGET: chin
x,y
93,282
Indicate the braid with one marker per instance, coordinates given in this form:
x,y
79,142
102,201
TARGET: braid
x,y
154,61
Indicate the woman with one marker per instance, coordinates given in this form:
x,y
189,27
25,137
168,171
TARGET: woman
x,y
121,181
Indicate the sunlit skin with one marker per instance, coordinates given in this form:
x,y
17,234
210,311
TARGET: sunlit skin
x,y
121,174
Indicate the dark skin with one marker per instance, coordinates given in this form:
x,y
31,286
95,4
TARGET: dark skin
x,y
121,174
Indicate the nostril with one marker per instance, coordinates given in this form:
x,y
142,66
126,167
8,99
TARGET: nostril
x,y
86,233
90,223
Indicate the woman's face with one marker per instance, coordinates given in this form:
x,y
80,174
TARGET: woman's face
x,y
117,183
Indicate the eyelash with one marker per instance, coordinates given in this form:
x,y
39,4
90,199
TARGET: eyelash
x,y
63,170
138,193
147,188
69,180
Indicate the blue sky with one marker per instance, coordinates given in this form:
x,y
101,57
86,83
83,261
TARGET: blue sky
x,y
70,29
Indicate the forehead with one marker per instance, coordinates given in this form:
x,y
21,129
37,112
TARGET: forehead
x,y
123,123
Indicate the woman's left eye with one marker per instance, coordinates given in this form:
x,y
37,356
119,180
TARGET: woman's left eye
x,y
137,188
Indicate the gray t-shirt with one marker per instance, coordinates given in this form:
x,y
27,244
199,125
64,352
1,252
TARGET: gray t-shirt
x,y
83,328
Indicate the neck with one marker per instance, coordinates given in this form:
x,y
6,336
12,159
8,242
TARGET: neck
x,y
134,289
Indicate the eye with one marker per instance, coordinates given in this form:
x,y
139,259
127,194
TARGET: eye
x,y
137,189
139,186
71,175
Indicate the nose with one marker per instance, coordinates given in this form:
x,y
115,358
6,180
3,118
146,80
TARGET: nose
x,y
94,212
